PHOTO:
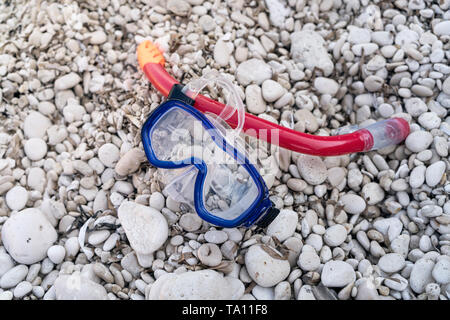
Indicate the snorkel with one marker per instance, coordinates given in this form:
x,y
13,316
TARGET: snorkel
x,y
375,136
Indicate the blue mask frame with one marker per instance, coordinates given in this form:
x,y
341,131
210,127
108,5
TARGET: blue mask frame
x,y
260,211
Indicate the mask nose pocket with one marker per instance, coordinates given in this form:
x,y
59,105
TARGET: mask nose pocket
x,y
181,187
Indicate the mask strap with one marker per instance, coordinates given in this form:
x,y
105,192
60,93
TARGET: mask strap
x,y
233,100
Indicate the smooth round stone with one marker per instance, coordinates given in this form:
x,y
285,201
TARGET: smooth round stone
x,y
337,274
27,235
308,261
145,227
76,287
13,276
209,254
382,38
283,291
56,254
254,99
441,270
297,185
67,81
97,37
221,53
6,263
434,173
16,198
179,7
418,141
35,149
130,162
417,176
272,90
335,235
372,193
415,106
391,262
253,71
35,125
233,234
385,110
196,285
336,175
216,236
373,83
442,28
157,201
190,222
429,120
38,291
22,289
266,266
284,225
353,203
421,275
110,243
312,169
207,23
72,247
109,154
46,108
97,237
326,86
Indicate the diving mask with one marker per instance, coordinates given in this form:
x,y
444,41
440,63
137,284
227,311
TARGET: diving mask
x,y
208,169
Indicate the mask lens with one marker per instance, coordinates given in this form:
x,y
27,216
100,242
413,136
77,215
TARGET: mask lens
x,y
229,190
172,136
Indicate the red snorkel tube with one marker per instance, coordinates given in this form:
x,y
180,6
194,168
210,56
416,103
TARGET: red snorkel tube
x,y
378,135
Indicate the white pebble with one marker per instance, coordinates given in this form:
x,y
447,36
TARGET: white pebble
x,y
145,227
157,201
312,169
35,149
35,125
266,266
421,275
27,235
13,276
109,154
353,203
16,198
335,235
56,254
271,90
284,225
418,141
22,289
434,173
309,261
253,71
337,274
391,262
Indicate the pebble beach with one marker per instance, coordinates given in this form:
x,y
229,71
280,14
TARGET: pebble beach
x,y
84,216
